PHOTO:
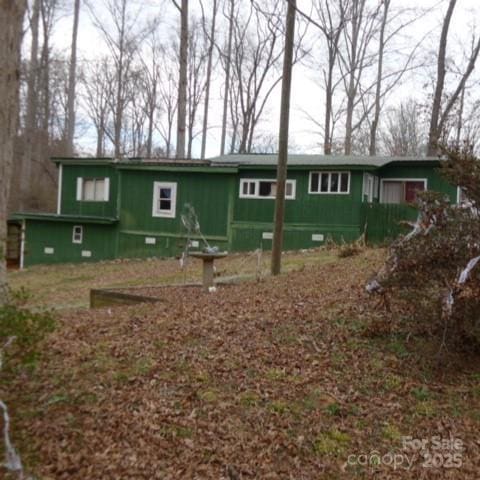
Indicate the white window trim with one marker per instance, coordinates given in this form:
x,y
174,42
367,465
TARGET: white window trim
x,y
22,244
257,181
59,191
81,234
156,192
311,192
383,180
106,190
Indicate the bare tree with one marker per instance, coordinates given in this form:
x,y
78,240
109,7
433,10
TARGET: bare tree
x,y
72,82
403,133
440,115
256,53
331,22
355,59
227,57
11,21
123,37
31,104
182,81
97,80
197,81
168,90
150,80
211,45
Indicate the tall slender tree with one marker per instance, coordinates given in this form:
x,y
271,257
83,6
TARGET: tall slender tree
x,y
211,45
72,82
439,115
182,81
11,23
283,139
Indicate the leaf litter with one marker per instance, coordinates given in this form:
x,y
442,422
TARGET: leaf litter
x,y
276,379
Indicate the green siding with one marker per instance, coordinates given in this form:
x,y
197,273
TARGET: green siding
x,y
435,181
98,239
386,221
331,215
69,203
209,194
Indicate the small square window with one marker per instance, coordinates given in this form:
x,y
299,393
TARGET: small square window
x,y
93,189
77,235
164,199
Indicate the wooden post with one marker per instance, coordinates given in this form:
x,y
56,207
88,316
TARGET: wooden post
x,y
207,273
283,140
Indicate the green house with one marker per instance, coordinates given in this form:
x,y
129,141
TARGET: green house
x,y
111,208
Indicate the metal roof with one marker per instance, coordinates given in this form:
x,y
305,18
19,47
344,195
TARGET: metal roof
x,y
317,160
254,160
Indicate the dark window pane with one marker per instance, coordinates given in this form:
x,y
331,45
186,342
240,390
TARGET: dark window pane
x,y
334,182
314,182
344,182
252,188
288,189
324,183
165,204
165,193
245,188
411,189
265,189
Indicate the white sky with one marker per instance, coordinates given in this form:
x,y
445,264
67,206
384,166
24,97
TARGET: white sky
x,y
307,94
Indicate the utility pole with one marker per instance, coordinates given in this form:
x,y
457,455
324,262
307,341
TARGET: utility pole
x,y
283,139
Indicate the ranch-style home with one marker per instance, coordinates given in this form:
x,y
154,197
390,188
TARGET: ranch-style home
x,y
110,208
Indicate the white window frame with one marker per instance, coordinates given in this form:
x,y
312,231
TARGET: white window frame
x,y
74,239
403,180
319,172
370,187
81,192
257,182
466,202
156,212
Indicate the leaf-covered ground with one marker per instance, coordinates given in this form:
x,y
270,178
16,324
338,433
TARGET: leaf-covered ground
x,y
277,379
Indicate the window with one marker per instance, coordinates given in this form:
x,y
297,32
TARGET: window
x,y
255,188
77,236
329,182
93,189
462,198
401,190
164,199
370,187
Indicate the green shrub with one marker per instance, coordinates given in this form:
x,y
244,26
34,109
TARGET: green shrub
x,y
27,327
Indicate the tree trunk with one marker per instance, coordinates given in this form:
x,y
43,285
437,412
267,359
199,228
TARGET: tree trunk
x,y
227,77
119,107
209,75
72,80
283,140
327,144
11,23
434,133
31,107
182,81
378,89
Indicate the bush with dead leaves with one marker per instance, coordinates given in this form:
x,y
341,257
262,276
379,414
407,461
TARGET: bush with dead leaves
x,y
433,272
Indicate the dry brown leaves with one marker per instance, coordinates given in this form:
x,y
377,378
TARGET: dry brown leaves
x,y
268,380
